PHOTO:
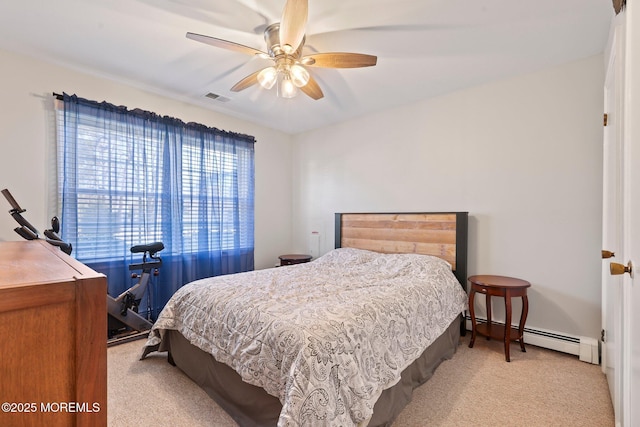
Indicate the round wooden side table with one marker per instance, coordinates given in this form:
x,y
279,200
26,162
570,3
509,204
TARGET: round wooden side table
x,y
499,286
294,259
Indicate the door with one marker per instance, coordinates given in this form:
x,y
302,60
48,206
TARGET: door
x,y
621,296
612,225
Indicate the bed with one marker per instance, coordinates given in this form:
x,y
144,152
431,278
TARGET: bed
x,y
341,340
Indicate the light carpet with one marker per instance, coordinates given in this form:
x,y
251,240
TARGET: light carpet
x,y
477,387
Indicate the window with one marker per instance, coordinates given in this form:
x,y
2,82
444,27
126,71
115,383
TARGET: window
x,y
129,177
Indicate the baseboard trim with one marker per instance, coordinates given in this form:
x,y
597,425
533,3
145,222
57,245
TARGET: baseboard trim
x,y
585,347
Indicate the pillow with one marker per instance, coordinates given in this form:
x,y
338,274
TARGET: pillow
x,y
347,256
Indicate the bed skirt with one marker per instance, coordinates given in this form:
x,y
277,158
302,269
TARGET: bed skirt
x,y
251,406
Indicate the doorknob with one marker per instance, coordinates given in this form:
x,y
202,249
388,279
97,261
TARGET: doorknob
x,y
617,269
607,254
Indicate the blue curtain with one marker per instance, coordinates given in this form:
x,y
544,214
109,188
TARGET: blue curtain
x,y
129,177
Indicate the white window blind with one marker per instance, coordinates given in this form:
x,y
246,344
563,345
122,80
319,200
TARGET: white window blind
x,y
125,179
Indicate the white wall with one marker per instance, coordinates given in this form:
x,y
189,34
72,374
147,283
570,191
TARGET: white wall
x,y
27,133
522,156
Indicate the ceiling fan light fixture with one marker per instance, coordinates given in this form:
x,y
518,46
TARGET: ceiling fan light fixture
x,y
285,42
286,87
299,75
267,77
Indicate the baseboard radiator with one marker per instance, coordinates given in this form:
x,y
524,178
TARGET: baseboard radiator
x,y
585,347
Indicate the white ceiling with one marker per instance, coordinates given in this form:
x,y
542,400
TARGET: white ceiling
x,y
424,47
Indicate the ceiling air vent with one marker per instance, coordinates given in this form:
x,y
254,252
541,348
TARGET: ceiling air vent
x,y
217,97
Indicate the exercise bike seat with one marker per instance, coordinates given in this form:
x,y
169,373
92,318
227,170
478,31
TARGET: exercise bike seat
x,y
152,248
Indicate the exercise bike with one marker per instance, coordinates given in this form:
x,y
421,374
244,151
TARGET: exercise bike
x,y
125,323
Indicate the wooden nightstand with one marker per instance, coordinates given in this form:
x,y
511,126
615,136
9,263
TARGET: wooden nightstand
x,y
499,286
294,259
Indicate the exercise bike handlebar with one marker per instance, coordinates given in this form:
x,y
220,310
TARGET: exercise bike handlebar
x,y
64,246
14,205
29,232
25,225
26,230
26,233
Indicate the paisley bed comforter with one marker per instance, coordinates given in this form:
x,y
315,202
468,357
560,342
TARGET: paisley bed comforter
x,y
325,337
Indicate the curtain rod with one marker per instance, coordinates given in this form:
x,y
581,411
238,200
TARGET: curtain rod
x,y
241,135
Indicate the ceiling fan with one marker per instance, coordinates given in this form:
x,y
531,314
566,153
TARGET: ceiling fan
x,y
285,41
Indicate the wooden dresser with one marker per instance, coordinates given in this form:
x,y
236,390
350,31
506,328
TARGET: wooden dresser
x,y
53,343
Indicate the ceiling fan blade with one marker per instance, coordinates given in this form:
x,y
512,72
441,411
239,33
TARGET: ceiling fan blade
x,y
312,89
225,44
339,60
292,24
248,81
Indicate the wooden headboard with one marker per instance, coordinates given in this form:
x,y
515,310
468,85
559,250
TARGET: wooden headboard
x,y
442,234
